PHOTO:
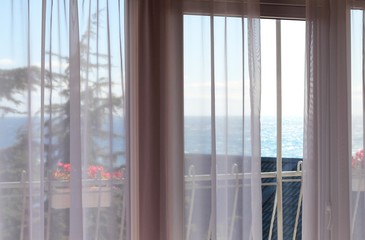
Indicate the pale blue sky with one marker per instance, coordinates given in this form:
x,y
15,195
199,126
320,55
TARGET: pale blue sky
x,y
14,39
228,66
356,79
13,24
13,53
356,61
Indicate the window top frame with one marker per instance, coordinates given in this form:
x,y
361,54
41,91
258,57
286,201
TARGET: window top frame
x,y
358,5
269,9
273,9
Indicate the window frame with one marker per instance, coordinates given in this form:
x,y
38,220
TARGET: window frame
x,y
270,9
276,9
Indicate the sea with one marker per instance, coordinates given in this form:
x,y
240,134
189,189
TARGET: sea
x,y
229,136
197,138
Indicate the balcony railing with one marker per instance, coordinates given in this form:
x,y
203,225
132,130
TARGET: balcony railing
x,y
230,182
197,188
98,195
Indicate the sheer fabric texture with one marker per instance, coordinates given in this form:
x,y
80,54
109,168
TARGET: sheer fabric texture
x,y
326,205
63,120
222,88
66,139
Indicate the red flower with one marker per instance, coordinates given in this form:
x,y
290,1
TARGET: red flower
x,y
117,174
105,175
358,159
63,170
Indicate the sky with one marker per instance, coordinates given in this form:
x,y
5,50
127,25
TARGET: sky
x,y
356,79
14,38
356,62
197,53
228,66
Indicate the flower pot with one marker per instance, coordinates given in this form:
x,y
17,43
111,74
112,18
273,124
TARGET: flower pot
x,y
92,197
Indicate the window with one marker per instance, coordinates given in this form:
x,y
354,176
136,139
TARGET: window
x,y
219,83
62,88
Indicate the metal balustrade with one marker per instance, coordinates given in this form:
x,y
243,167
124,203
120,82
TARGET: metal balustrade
x,y
97,194
193,184
234,181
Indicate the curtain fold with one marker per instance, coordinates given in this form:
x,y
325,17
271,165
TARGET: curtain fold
x,y
155,70
326,204
63,114
222,94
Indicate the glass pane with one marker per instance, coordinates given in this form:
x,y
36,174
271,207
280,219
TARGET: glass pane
x,y
357,94
231,98
292,97
293,66
197,124
268,94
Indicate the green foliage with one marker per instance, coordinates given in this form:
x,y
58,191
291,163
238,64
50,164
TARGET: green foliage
x,y
15,82
14,158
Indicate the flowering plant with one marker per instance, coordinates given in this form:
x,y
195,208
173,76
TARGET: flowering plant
x,y
63,172
358,159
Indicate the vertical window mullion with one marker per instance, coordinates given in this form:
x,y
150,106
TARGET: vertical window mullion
x,y
279,161
213,218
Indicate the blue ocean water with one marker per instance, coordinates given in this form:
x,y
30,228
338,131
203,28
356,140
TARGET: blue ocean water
x,y
229,136
11,126
198,135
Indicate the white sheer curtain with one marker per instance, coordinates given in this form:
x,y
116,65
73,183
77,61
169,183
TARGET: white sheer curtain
x,y
326,205
222,87
63,138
